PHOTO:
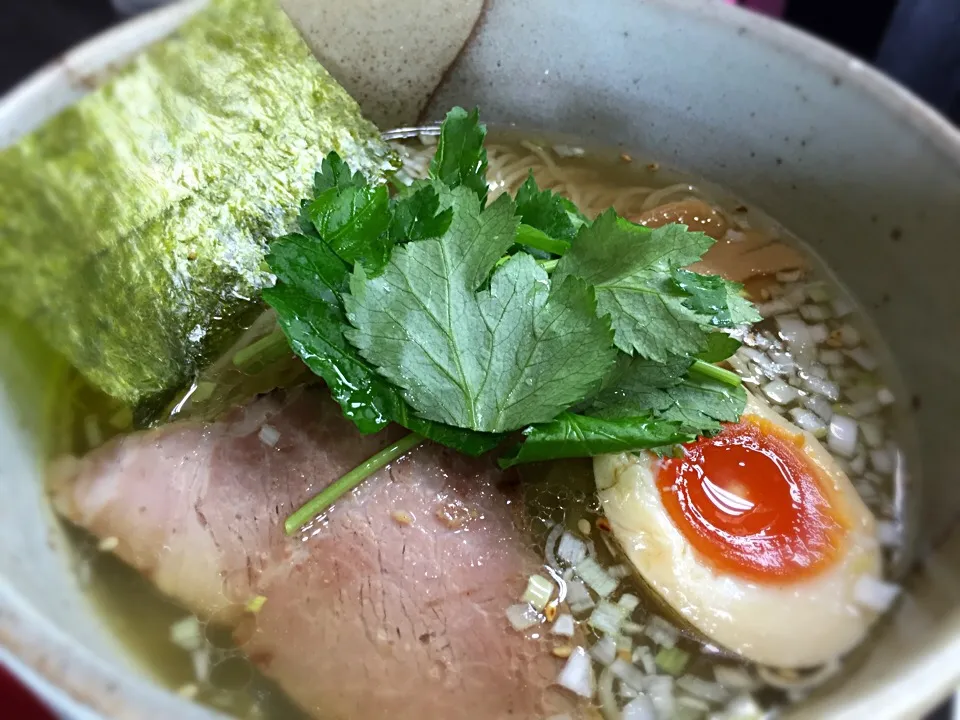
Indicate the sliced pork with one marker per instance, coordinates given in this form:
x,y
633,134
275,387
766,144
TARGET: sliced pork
x,y
390,606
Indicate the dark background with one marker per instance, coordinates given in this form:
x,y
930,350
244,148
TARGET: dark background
x,y
915,41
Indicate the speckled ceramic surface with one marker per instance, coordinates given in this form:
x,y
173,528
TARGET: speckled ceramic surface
x,y
845,159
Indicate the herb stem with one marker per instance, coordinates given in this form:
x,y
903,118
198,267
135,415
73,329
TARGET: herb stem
x,y
271,347
532,237
716,372
333,492
548,265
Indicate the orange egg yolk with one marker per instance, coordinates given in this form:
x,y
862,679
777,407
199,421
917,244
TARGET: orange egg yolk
x,y
751,503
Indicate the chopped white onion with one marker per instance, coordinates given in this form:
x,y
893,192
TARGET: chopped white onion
x,y
577,674
875,594
696,704
742,707
820,405
872,433
640,708
814,313
269,435
632,628
864,407
806,420
780,392
789,276
885,396
619,571
882,460
888,534
578,597
659,688
864,358
604,651
606,698
628,602
734,678
819,333
817,292
793,330
842,436
702,688
643,656
662,632
831,357
821,386
818,370
842,306
858,464
571,549
777,306
630,674
849,335
591,572
607,617
563,625
538,593
187,634
523,616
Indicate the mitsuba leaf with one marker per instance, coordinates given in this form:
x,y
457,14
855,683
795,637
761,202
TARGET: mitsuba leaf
x,y
548,212
571,435
699,403
461,158
519,351
307,298
353,222
417,216
335,173
631,268
720,346
718,300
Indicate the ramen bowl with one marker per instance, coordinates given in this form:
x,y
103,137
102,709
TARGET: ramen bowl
x,y
844,158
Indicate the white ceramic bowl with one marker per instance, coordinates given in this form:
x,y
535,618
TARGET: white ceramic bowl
x,y
843,157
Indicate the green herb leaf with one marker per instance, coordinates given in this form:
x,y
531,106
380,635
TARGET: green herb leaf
x,y
720,346
310,280
571,435
548,212
417,216
335,173
460,158
717,299
493,360
353,221
531,238
631,268
698,402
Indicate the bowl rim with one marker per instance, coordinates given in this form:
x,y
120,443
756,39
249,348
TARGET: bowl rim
x,y
919,689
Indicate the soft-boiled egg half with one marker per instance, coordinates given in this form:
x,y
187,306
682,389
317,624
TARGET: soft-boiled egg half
x,y
755,537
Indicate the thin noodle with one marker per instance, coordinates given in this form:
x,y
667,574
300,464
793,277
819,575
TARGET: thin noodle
x,y
585,187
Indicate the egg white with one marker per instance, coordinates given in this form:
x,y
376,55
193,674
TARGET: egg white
x,y
788,624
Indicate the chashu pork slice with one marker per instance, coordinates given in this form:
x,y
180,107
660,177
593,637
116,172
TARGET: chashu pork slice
x,y
390,606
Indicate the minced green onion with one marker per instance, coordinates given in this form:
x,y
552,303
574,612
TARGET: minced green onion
x,y
538,591
593,574
672,660
256,604
607,617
